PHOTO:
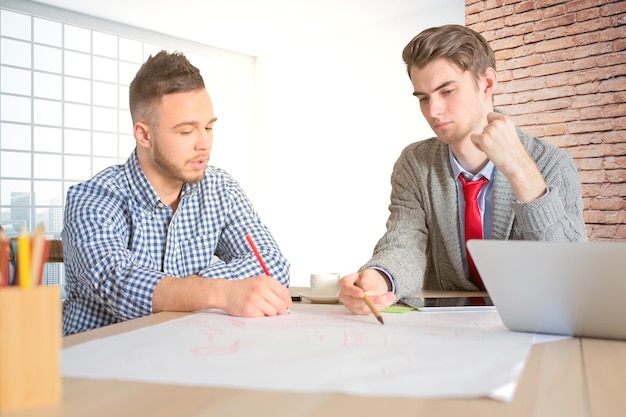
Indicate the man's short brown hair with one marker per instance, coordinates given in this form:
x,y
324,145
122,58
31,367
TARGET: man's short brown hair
x,y
460,45
161,74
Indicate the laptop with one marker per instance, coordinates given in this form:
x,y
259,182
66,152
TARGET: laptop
x,y
574,289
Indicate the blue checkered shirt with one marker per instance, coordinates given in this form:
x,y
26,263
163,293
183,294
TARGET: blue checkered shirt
x,y
120,239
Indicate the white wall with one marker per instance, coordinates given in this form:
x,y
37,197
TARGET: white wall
x,y
332,118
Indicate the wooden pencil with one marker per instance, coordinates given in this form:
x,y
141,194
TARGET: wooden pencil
x,y
371,306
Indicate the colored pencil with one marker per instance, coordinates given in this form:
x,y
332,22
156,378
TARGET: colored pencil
x,y
258,255
4,259
23,258
39,254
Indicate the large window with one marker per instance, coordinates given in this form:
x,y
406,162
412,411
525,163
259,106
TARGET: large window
x,y
64,105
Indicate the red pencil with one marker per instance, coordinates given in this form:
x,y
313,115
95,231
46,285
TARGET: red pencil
x,y
4,259
258,255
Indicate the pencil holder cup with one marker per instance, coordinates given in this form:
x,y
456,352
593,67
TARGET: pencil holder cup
x,y
30,347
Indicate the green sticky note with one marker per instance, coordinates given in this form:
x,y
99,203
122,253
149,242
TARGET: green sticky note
x,y
398,309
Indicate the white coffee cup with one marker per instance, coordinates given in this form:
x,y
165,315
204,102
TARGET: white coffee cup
x,y
325,283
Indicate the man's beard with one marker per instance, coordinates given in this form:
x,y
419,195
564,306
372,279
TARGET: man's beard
x,y
161,160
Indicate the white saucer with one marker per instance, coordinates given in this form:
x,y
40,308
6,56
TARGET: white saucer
x,y
320,299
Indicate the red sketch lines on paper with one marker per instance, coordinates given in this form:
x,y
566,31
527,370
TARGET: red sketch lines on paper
x,y
237,323
213,350
354,338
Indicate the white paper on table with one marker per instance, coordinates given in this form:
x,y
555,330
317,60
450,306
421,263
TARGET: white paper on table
x,y
317,348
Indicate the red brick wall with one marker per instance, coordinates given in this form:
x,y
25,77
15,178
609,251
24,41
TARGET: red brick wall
x,y
562,72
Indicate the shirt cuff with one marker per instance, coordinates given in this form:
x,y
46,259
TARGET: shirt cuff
x,y
388,275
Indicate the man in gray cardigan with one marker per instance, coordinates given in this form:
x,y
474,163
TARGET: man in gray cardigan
x,y
533,190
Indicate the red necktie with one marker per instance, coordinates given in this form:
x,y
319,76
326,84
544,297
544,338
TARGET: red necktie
x,y
473,223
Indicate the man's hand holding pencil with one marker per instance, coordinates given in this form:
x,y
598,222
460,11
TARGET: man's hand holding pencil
x,y
366,292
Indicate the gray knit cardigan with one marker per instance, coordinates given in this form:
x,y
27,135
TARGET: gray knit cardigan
x,y
421,248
